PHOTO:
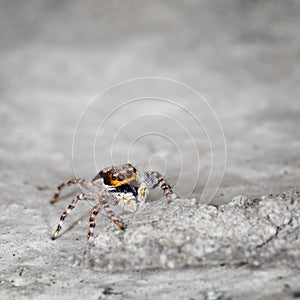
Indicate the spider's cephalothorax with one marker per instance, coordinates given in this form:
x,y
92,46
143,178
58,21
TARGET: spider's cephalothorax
x,y
119,186
118,176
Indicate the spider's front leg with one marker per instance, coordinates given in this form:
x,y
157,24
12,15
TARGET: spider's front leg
x,y
66,212
64,184
154,179
142,192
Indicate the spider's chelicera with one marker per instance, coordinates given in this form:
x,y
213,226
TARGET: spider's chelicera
x,y
121,186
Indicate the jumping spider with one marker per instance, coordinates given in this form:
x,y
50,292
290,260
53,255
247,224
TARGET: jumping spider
x,y
123,186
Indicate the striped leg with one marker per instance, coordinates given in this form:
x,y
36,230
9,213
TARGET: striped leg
x,y
66,212
93,214
155,179
111,214
64,184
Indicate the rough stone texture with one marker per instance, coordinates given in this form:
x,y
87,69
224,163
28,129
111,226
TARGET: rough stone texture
x,y
243,56
246,246
259,232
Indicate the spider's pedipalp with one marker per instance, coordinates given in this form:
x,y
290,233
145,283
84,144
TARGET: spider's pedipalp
x,y
64,184
66,212
142,192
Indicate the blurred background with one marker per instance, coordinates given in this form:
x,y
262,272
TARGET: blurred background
x,y
241,55
59,117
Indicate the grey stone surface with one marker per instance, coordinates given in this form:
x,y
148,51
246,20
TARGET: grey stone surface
x,y
243,56
258,232
244,249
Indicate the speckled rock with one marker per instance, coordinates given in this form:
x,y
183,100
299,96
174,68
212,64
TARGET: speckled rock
x,y
245,231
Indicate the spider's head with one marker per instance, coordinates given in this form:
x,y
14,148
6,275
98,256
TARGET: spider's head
x,y
117,176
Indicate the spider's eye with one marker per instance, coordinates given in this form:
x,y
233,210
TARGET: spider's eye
x,y
121,177
128,174
113,177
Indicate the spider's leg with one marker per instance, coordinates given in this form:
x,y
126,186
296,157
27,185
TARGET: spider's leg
x,y
93,214
104,204
154,179
64,184
66,212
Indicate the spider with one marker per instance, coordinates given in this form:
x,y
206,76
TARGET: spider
x,y
121,186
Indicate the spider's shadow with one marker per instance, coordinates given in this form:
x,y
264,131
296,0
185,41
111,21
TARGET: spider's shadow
x,y
70,227
69,195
